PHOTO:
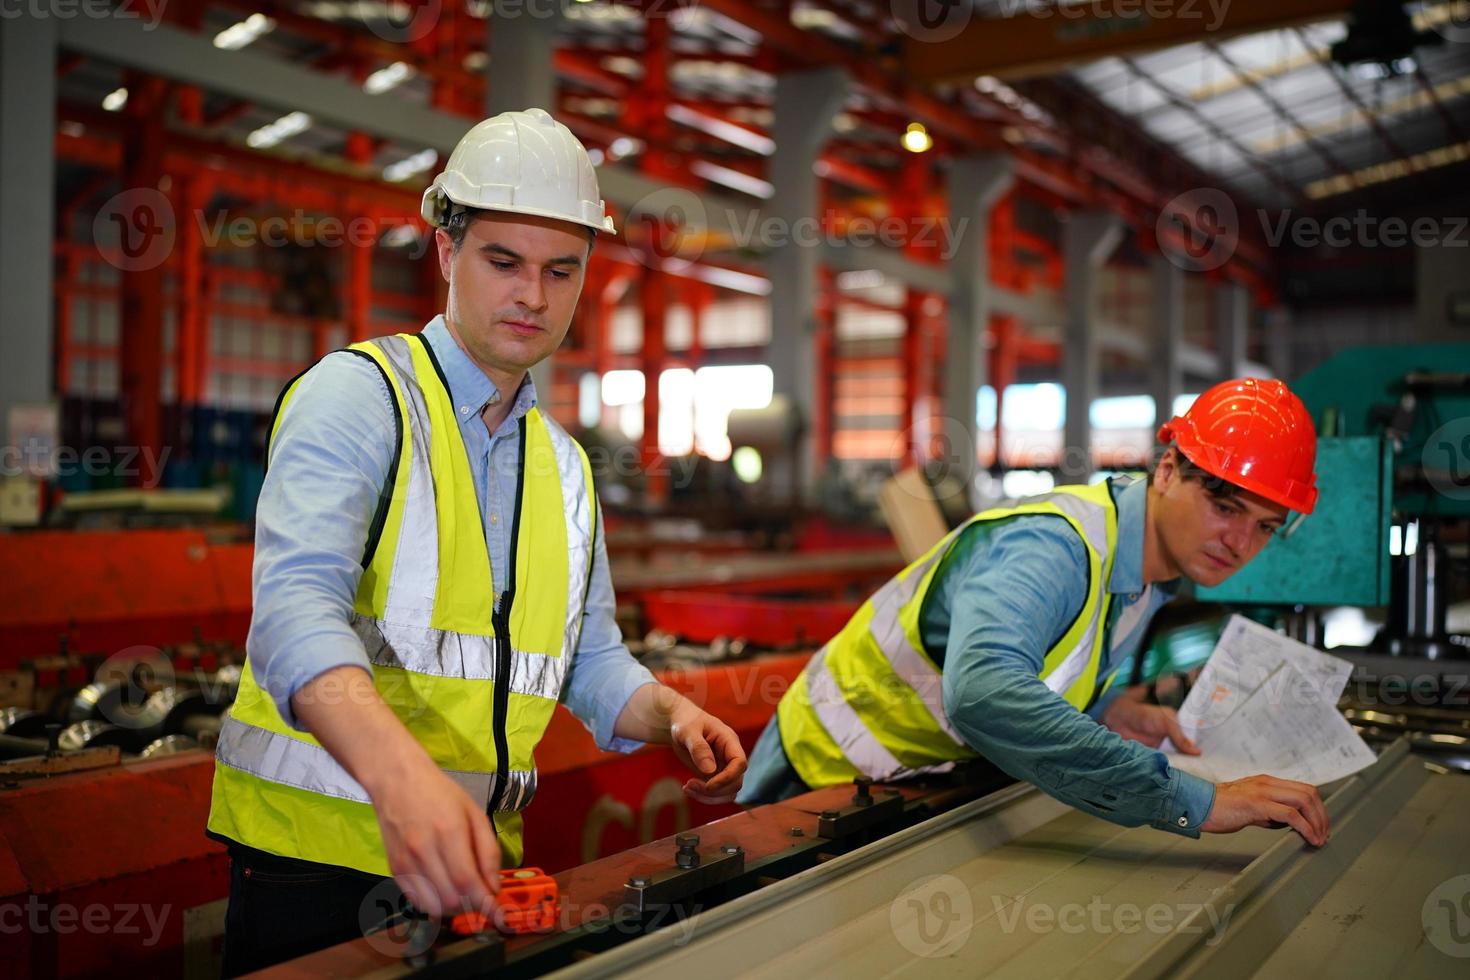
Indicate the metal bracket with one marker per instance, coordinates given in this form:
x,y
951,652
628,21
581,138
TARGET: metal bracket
x,y
694,872
864,811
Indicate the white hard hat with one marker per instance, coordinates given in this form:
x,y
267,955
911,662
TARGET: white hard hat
x,y
524,162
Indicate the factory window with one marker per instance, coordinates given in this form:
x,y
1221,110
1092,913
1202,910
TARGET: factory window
x,y
1127,412
694,406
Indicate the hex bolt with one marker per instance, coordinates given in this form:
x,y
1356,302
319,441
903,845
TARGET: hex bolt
x,y
830,814
687,857
639,881
863,796
731,849
797,832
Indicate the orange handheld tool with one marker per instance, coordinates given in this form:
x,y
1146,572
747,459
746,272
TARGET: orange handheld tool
x,y
528,902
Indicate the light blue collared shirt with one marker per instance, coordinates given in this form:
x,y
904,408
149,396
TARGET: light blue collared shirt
x,y
1005,595
329,459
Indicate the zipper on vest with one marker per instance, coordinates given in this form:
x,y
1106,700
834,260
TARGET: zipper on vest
x,y
503,650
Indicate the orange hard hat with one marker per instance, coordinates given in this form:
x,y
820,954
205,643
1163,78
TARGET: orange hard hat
x,y
1254,433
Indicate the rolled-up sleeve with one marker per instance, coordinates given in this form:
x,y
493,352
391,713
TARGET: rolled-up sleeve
x,y
328,461
1015,599
604,674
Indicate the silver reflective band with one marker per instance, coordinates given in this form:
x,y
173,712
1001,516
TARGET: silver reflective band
x,y
415,576
441,653
857,743
289,761
577,502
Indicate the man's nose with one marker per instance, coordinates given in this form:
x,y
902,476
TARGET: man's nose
x,y
532,293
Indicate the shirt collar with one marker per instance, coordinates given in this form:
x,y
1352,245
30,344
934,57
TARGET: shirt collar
x,y
1131,499
469,389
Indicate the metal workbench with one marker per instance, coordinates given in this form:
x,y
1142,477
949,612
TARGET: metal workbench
x,y
1018,885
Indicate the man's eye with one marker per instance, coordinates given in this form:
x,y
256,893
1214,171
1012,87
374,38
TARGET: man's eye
x,y
1224,510
560,274
503,266
1269,530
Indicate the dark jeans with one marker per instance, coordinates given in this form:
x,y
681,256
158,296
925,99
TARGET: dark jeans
x,y
281,908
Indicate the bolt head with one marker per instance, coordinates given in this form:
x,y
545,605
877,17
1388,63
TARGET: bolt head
x,y
830,814
797,832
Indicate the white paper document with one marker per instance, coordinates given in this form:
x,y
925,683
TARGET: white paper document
x,y
1266,704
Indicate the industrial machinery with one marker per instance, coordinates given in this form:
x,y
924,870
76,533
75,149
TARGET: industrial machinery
x,y
977,878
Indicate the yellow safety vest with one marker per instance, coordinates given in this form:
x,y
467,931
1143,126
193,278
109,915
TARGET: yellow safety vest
x,y
871,702
476,687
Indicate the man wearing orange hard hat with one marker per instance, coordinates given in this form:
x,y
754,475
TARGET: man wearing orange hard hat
x,y
1002,641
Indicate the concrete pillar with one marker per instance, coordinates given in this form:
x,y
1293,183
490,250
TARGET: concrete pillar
x,y
1166,376
1088,239
976,184
521,46
1232,319
521,42
27,211
806,102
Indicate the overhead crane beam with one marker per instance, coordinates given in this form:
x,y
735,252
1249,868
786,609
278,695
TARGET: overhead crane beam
x,y
1041,39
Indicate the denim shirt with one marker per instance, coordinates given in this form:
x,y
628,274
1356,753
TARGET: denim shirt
x,y
1005,595
330,456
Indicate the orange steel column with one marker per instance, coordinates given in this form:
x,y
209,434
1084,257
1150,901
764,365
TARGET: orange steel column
x,y
141,341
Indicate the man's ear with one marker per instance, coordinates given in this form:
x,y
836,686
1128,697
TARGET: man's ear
x,y
1167,470
444,245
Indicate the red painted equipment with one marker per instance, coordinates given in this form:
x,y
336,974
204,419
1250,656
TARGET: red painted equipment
x,y
528,902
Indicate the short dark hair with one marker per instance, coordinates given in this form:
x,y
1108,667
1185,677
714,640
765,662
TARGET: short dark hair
x,y
1217,487
461,218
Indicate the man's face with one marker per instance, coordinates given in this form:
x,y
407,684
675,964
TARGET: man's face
x,y
1209,538
513,285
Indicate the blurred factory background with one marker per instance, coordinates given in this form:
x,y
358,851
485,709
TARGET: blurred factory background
x,y
874,271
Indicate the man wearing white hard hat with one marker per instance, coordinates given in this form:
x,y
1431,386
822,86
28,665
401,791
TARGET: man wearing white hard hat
x,y
430,580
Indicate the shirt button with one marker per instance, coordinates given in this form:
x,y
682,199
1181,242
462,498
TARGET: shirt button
x,y
1133,597
1184,821
464,410
494,518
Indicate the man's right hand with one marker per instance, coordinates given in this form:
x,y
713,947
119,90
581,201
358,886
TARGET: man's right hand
x,y
441,848
1265,801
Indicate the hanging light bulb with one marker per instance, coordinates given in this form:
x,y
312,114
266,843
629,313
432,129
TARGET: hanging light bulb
x,y
916,138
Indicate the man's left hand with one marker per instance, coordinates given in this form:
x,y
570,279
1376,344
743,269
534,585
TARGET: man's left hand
x,y
701,741
1149,724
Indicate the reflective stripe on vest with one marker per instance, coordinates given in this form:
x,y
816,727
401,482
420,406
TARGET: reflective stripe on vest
x,y
423,611
871,701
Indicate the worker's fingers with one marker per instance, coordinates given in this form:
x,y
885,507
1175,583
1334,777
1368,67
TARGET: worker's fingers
x,y
1289,815
1305,799
418,889
729,751
487,851
697,790
1176,734
701,756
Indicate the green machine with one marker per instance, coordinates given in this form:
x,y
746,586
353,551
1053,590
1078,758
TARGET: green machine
x,y
1393,473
